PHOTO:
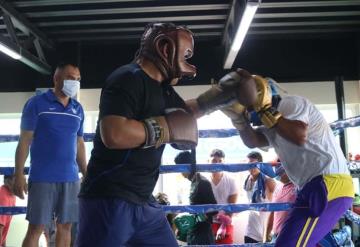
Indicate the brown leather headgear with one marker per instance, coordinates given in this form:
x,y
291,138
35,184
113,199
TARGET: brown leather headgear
x,y
173,65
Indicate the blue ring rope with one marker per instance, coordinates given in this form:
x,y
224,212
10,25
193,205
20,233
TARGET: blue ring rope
x,y
231,208
209,208
336,126
235,245
265,168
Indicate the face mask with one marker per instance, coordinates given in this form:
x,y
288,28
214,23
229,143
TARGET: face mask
x,y
278,178
71,87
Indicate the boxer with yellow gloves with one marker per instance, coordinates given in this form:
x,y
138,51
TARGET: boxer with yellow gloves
x,y
310,156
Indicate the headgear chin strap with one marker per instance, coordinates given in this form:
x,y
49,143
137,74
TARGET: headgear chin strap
x,y
160,36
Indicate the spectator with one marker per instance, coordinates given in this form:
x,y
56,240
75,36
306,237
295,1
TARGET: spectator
x,y
200,193
52,129
225,192
7,199
259,188
284,193
162,199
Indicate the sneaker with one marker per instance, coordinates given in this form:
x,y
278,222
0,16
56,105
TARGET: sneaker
x,y
343,236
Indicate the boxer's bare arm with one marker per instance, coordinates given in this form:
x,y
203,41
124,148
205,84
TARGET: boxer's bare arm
x,y
253,138
236,86
292,130
250,136
177,127
121,133
193,106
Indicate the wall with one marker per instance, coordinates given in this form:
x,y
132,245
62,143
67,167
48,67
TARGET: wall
x,y
317,92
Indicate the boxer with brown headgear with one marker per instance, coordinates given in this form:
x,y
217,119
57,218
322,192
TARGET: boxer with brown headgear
x,y
139,113
168,47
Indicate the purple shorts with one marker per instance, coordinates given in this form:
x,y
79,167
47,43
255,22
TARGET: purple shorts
x,y
312,216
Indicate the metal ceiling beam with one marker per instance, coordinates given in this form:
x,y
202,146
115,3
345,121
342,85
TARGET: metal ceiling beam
x,y
35,63
27,57
302,4
10,28
68,2
210,26
131,10
128,37
132,20
40,3
304,23
307,14
302,31
24,23
129,29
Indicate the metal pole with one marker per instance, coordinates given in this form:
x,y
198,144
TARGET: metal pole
x,y
340,101
193,155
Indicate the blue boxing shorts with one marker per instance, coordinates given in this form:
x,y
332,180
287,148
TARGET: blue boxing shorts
x,y
113,222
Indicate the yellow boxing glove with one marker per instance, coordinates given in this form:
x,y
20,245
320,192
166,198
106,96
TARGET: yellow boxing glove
x,y
268,115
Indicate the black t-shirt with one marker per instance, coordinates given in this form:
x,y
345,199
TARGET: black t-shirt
x,y
201,191
129,174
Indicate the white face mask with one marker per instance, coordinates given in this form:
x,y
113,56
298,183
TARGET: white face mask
x,y
71,87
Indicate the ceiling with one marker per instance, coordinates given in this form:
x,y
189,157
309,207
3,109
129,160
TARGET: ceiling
x,y
93,23
90,20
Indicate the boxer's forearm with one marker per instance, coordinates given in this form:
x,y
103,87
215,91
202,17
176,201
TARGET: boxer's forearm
x,y
292,130
253,138
121,133
193,106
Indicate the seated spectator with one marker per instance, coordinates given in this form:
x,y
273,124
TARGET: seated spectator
x,y
225,192
7,199
200,193
259,189
284,193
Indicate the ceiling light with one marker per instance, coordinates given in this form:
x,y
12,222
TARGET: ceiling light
x,y
247,17
10,52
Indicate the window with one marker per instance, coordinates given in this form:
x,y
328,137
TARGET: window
x,y
10,125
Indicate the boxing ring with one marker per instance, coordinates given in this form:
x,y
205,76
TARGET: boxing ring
x,y
266,168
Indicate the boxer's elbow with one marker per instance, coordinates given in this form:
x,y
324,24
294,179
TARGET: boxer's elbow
x,y
253,139
250,143
110,140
